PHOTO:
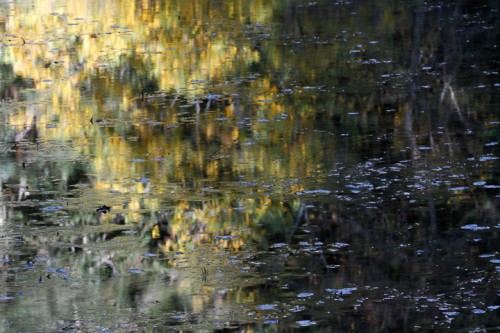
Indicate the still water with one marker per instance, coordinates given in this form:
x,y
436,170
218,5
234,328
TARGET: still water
x,y
256,166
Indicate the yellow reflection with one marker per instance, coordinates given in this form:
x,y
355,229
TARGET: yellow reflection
x,y
99,85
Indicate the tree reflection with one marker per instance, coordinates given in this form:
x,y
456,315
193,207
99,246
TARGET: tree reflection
x,y
243,152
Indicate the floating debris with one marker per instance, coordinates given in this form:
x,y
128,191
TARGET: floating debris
x,y
298,308
5,298
488,158
224,237
103,209
305,323
179,316
342,291
339,245
313,192
451,313
458,188
474,227
266,306
52,208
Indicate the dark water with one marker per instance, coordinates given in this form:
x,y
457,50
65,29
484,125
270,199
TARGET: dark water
x,y
326,166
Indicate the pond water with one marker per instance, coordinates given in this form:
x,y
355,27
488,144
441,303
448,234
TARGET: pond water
x,y
258,166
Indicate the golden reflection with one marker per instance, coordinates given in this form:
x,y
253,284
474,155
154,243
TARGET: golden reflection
x,y
169,100
197,122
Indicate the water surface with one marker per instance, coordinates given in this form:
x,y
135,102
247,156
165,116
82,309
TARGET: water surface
x,y
263,166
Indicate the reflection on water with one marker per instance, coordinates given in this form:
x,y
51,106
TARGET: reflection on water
x,y
260,166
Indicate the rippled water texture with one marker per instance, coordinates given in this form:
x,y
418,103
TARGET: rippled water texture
x,y
255,166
